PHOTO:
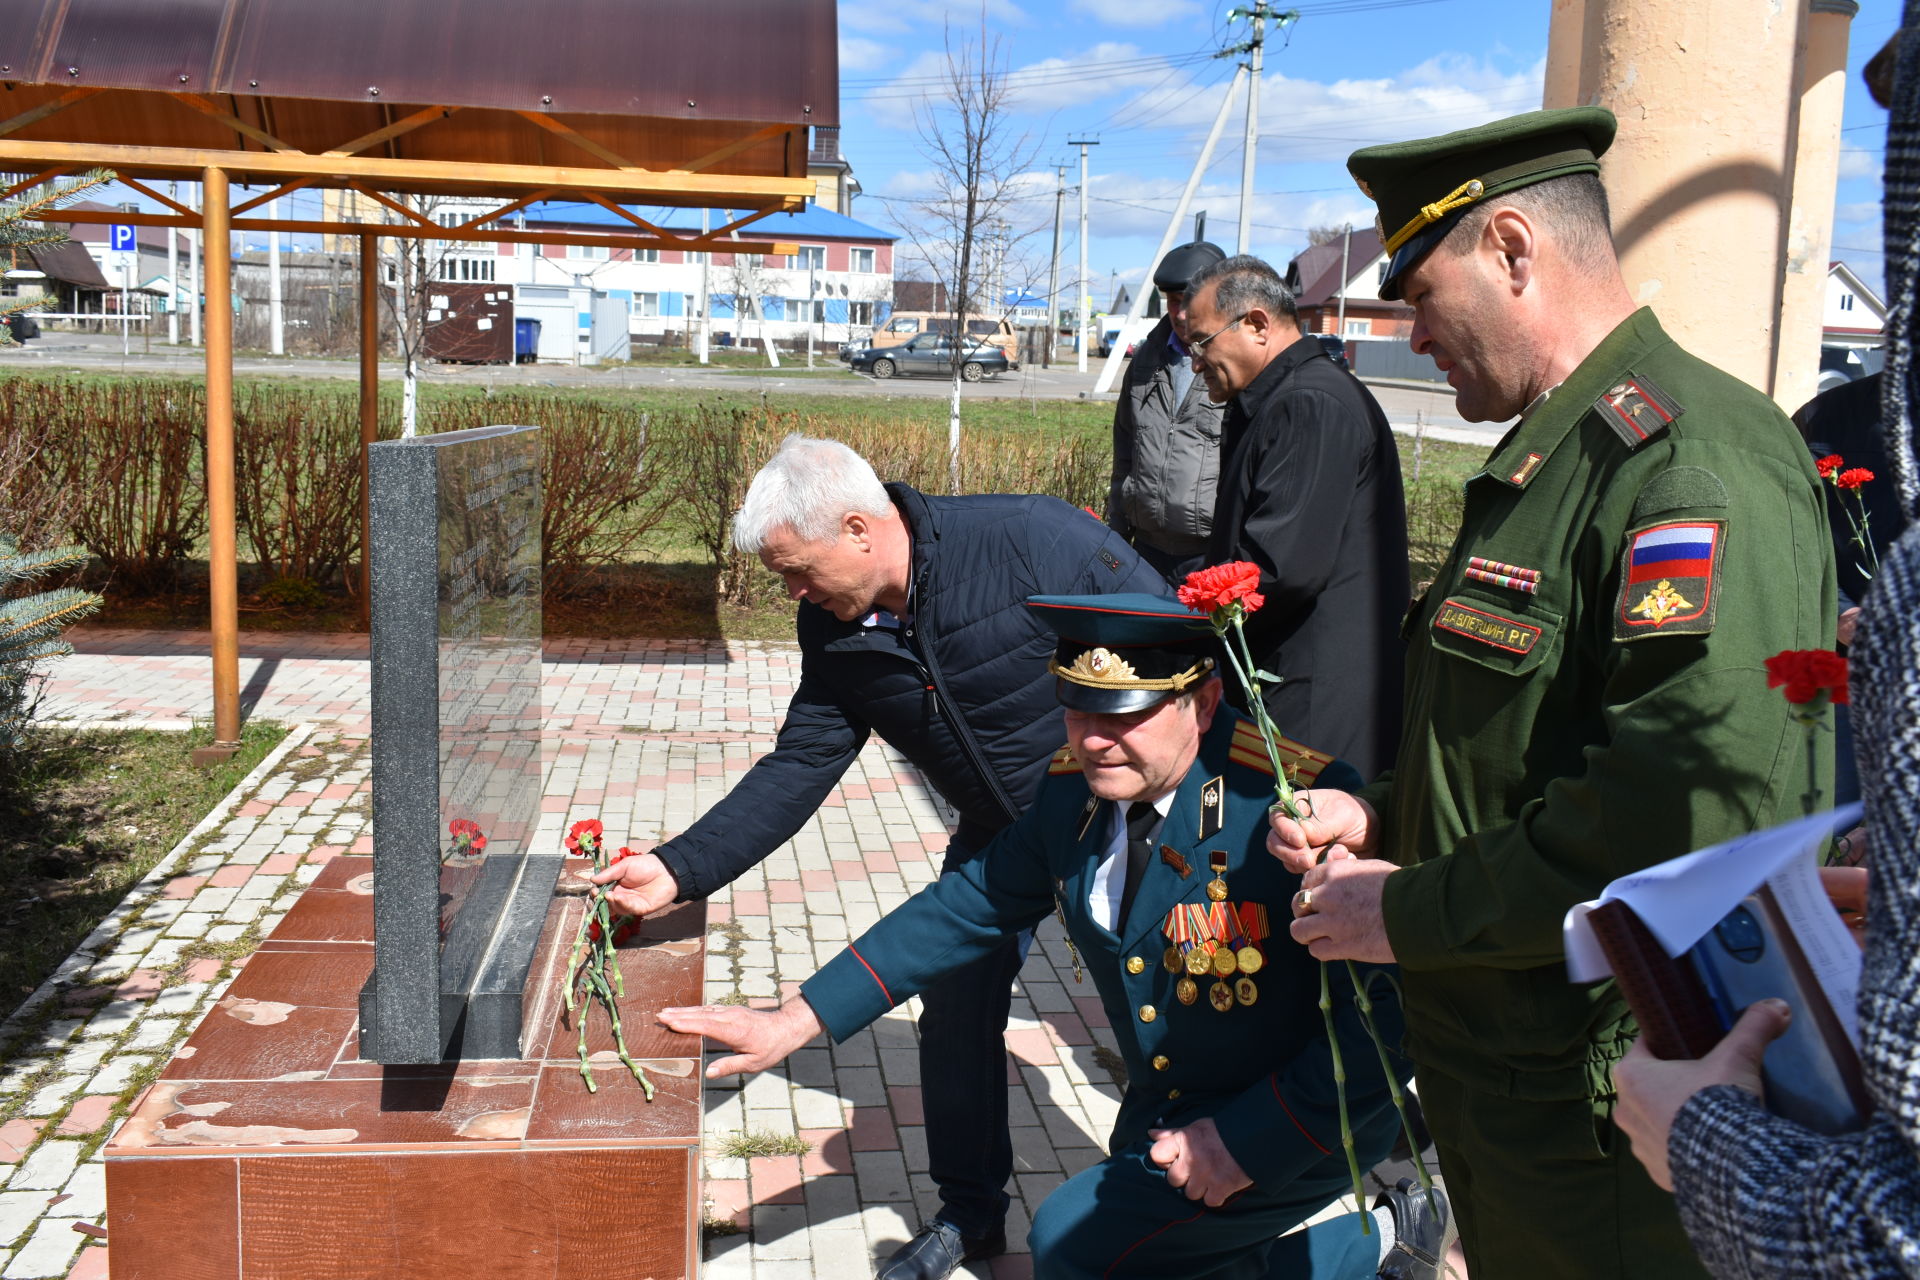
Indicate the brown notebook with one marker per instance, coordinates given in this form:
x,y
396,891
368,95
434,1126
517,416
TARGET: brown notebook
x,y
1671,1004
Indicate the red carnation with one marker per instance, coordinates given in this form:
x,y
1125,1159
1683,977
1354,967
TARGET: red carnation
x,y
1807,673
1853,478
588,827
463,826
1829,464
1218,586
479,843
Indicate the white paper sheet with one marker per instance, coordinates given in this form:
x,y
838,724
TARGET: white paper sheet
x,y
1680,900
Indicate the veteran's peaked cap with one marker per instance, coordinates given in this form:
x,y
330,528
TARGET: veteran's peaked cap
x,y
1126,651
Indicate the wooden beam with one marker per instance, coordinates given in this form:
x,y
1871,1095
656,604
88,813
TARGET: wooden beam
x,y
512,206
285,188
411,215
235,123
45,175
151,194
223,587
34,115
734,148
496,180
630,216
406,124
580,140
715,240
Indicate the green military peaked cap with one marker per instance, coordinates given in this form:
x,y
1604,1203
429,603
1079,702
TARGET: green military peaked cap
x,y
1125,651
1423,186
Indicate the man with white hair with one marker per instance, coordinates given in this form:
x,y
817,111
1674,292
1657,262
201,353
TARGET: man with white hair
x,y
912,624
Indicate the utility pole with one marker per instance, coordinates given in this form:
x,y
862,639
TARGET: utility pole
x,y
1200,226
1053,268
193,270
1257,46
1086,299
173,274
276,323
811,304
1346,247
706,256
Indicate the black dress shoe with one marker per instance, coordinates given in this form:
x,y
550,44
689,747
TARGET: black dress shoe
x,y
938,1251
1420,1232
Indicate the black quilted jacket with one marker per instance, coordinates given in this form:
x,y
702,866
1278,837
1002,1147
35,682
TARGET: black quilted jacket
x,y
962,691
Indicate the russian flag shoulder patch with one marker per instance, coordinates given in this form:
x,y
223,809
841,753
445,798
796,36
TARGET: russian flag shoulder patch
x,y
1669,579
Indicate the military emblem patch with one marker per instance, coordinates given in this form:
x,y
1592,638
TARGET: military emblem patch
x,y
1213,806
1667,579
1525,471
1175,859
1635,409
1109,559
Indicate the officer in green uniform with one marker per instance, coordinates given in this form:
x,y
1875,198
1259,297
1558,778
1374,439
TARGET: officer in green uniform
x,y
1148,840
1585,691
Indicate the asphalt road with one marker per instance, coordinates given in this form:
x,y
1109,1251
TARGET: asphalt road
x,y
1409,407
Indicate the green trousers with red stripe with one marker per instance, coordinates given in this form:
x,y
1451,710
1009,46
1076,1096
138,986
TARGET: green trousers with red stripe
x,y
1119,1218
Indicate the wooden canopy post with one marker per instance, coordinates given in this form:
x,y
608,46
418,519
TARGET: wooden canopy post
x,y
369,405
223,582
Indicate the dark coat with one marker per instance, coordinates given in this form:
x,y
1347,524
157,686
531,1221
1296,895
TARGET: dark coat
x,y
962,692
1310,491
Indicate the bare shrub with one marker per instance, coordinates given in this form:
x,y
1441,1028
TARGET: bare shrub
x,y
132,455
716,453
297,482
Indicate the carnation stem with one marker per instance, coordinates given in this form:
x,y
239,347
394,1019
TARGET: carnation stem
x,y
1364,1003
1340,1092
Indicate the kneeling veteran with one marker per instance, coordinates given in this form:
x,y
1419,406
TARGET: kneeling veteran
x,y
1149,839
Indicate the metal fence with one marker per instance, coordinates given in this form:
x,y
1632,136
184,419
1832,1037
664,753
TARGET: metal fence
x,y
1392,359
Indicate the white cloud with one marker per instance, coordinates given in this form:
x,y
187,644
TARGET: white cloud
x,y
1855,163
857,53
1140,13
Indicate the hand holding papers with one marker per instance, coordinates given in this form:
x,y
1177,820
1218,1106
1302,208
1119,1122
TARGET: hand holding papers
x,y
1746,919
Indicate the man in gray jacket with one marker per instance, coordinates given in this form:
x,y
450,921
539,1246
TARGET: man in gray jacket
x,y
1166,433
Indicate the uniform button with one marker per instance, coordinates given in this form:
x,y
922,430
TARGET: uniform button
x,y
1161,1062
1172,1094
1136,965
1148,1013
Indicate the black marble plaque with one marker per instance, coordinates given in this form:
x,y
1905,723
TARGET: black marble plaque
x,y
459,891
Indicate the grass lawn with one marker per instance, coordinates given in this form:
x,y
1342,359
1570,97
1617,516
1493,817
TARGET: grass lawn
x,y
84,817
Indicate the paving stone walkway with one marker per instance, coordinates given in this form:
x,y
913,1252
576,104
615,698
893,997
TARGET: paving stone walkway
x,y
645,736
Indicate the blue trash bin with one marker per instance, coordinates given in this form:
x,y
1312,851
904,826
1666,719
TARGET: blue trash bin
x,y
526,341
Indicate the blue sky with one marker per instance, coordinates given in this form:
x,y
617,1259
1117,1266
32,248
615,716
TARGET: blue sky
x,y
1138,75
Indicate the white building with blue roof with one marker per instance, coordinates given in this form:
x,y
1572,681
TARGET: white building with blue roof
x,y
838,280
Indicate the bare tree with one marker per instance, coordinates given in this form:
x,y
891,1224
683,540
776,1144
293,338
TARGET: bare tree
x,y
414,270
1324,235
978,161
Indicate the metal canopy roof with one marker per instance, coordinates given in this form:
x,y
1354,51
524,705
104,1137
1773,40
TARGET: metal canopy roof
x,y
670,102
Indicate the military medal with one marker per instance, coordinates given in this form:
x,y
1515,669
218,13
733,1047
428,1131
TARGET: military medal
x,y
1170,960
1220,995
1187,990
1252,920
1199,961
1217,887
1224,961
1244,990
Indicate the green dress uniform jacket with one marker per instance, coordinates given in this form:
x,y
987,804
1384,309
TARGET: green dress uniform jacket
x,y
1263,1071
1586,696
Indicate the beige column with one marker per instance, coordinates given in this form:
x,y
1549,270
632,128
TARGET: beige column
x,y
1700,175
1566,55
1816,172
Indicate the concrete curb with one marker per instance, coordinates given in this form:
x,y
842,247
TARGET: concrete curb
x,y
83,956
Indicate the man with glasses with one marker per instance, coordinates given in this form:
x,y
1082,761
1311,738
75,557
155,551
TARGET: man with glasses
x,y
1310,492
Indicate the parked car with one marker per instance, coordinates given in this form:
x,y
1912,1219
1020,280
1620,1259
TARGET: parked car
x,y
992,331
929,353
1334,346
848,348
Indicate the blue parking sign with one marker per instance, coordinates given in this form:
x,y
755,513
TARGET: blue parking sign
x,y
122,237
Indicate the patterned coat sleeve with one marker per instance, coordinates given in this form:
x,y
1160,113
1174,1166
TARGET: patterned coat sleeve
x,y
1760,1196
